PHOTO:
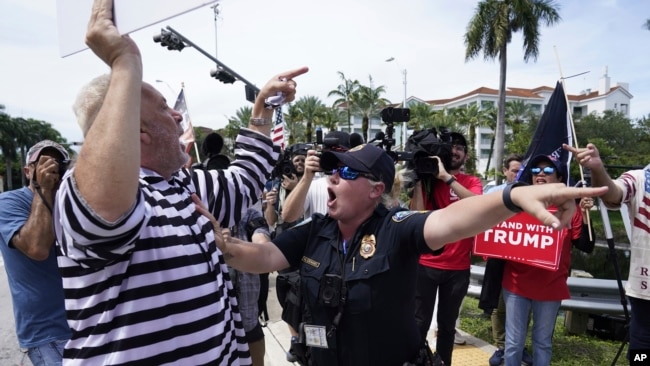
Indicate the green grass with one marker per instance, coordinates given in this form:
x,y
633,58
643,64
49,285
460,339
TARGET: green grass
x,y
568,350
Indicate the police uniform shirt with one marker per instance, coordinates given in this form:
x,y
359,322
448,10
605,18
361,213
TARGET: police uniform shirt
x,y
378,323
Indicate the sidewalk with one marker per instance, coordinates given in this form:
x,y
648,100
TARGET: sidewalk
x,y
475,352
277,336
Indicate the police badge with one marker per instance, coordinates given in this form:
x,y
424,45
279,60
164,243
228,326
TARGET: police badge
x,y
367,248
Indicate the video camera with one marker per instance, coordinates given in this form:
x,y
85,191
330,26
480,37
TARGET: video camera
x,y
424,144
420,146
391,115
285,164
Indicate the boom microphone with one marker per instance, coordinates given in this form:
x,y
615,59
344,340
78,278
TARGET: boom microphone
x,y
356,139
379,136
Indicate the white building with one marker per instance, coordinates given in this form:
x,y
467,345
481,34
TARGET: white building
x,y
606,96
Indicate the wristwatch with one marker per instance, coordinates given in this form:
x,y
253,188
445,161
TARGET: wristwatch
x,y
450,180
260,121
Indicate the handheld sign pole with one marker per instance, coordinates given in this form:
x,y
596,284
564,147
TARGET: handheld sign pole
x,y
573,129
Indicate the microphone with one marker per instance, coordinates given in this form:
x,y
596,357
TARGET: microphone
x,y
356,139
212,144
379,136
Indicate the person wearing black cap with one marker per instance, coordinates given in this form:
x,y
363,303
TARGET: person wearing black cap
x,y
310,194
358,263
27,247
527,287
308,197
446,276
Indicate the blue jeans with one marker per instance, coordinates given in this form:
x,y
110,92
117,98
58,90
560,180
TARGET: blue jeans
x,y
49,354
544,316
451,286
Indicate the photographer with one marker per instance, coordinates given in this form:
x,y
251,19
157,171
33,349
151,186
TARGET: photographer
x,y
368,255
310,194
285,176
445,275
27,246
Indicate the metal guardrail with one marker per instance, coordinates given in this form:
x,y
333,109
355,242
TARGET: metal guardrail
x,y
588,295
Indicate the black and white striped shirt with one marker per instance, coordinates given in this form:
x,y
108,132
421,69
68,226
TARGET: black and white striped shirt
x,y
152,288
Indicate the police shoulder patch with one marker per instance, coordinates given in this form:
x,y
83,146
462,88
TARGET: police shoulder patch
x,y
403,215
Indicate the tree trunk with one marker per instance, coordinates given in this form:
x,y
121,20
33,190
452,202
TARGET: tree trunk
x,y
364,127
501,116
9,178
487,167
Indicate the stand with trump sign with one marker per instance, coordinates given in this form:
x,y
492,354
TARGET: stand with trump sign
x,y
522,238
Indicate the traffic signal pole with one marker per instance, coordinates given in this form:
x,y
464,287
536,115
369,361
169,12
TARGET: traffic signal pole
x,y
248,84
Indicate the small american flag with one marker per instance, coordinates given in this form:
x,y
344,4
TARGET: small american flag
x,y
188,132
277,135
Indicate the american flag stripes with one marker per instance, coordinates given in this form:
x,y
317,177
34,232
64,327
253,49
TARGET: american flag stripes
x,y
188,132
277,135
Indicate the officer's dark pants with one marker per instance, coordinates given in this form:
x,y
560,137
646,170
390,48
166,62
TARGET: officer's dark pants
x,y
452,288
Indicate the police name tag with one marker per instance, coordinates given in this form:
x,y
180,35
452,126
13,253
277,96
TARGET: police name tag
x,y
315,336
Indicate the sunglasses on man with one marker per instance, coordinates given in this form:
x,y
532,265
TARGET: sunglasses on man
x,y
547,170
348,173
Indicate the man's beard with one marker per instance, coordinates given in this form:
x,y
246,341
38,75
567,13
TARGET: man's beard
x,y
455,164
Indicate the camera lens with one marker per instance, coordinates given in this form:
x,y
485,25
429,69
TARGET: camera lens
x,y
328,295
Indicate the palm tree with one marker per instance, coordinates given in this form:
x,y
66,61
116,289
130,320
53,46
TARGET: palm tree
x,y
241,119
331,118
8,144
518,113
492,124
421,114
293,123
490,30
343,92
472,118
368,102
445,120
311,110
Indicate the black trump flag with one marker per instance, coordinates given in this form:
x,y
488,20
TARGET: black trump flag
x,y
553,130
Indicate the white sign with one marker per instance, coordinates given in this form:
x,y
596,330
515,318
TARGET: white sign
x,y
129,16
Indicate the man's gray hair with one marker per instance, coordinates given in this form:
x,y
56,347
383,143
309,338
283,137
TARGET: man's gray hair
x,y
89,100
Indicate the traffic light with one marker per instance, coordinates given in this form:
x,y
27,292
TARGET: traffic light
x,y
251,93
223,76
169,40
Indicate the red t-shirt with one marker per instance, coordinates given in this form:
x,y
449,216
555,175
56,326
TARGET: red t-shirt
x,y
456,256
542,284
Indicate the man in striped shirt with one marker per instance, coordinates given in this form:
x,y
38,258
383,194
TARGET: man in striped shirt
x,y
144,281
632,188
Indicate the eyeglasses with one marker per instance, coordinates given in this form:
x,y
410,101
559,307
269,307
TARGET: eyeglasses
x,y
348,173
547,170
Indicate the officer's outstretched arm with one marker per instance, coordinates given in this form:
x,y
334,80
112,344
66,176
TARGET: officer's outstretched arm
x,y
476,214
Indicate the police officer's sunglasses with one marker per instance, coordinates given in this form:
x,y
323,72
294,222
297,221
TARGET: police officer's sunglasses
x,y
547,170
348,173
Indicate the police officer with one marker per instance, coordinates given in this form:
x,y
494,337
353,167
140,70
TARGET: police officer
x,y
358,263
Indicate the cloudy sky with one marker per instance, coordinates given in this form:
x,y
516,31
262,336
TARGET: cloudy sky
x,y
259,38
